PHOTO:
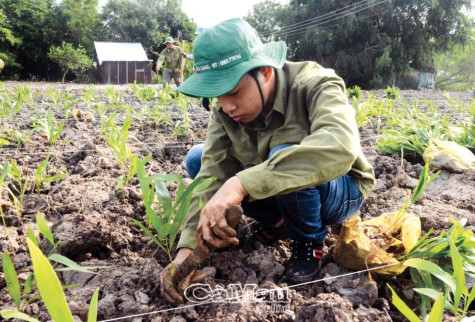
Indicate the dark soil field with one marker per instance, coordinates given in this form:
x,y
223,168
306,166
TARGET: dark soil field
x,y
90,214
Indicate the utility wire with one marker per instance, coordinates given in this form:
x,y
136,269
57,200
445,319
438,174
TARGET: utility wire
x,y
340,23
319,18
297,32
320,23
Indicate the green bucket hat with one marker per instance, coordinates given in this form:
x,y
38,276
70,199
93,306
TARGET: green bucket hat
x,y
169,40
225,53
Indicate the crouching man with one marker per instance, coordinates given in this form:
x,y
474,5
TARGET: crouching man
x,y
282,141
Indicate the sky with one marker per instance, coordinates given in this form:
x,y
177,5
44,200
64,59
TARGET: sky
x,y
207,13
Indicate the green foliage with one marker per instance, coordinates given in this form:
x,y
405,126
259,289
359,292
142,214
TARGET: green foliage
x,y
436,311
449,258
9,136
44,278
167,219
18,188
42,172
366,43
392,93
83,22
69,58
455,67
354,92
48,127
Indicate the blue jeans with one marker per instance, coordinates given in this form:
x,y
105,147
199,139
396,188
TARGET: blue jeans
x,y
307,212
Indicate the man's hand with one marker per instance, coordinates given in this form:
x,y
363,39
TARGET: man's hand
x,y
169,291
213,227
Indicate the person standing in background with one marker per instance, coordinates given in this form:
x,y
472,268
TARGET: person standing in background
x,y
170,57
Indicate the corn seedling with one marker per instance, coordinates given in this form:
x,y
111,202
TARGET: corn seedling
x,y
89,95
392,93
114,97
55,96
3,175
48,127
9,136
166,221
121,180
143,93
354,93
448,258
437,311
41,175
44,278
18,187
180,128
117,140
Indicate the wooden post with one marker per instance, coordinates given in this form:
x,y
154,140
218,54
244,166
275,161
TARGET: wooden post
x,y
182,77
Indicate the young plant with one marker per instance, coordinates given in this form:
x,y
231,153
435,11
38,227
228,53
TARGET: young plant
x,y
19,186
354,93
392,93
89,95
437,311
167,220
9,136
117,140
448,258
41,175
44,278
48,127
3,175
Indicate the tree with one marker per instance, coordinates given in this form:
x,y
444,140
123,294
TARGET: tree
x,y
28,21
456,66
368,42
146,21
83,22
8,42
267,18
68,58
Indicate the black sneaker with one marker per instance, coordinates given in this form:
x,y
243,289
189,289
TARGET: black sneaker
x,y
268,235
305,262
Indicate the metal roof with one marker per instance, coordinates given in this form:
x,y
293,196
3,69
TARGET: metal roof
x,y
119,51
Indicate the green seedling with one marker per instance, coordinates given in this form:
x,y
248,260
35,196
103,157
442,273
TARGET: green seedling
x,y
89,95
41,175
392,93
44,278
166,221
448,257
437,311
143,93
160,116
19,186
9,136
354,93
48,127
425,179
180,128
3,175
123,179
114,97
117,140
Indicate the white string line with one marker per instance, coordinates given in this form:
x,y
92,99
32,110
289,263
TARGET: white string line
x,y
101,149
261,292
318,19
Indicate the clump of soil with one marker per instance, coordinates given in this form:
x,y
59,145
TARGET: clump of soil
x,y
90,214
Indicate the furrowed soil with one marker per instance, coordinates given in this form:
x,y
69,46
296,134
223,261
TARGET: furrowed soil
x,y
90,214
